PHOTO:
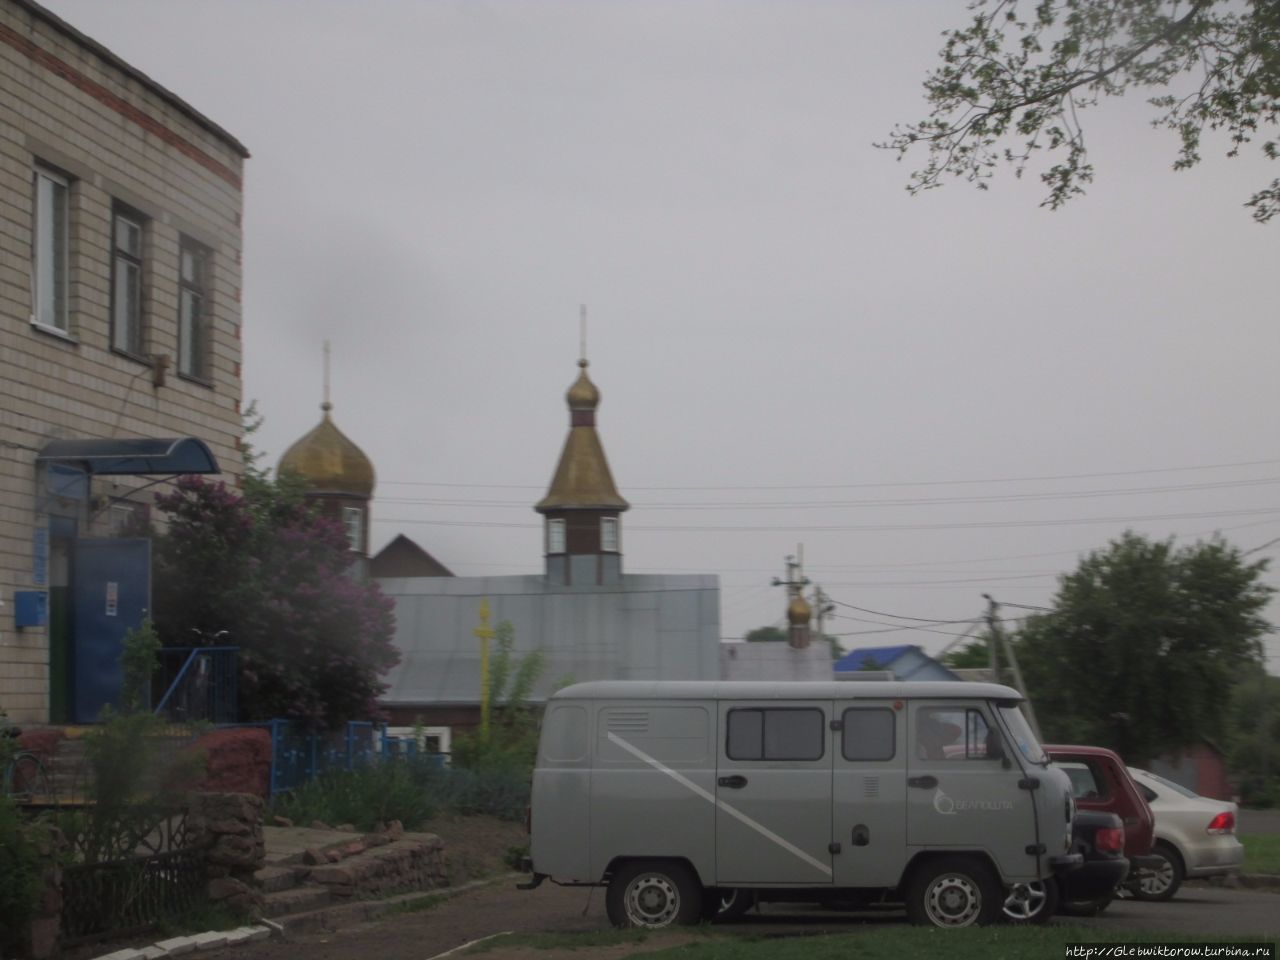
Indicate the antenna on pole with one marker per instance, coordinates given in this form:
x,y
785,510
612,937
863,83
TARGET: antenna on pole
x,y
326,405
582,332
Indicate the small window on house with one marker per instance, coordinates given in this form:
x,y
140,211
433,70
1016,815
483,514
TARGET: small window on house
x,y
194,331
353,520
126,282
868,733
609,534
779,733
555,536
50,251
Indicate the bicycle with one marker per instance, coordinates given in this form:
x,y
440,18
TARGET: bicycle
x,y
25,778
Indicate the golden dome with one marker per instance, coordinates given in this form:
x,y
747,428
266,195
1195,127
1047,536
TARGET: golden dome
x,y
799,612
582,479
328,462
583,395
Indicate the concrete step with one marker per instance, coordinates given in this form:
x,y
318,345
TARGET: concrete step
x,y
298,900
276,879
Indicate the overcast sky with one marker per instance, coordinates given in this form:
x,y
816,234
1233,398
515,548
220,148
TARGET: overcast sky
x,y
436,187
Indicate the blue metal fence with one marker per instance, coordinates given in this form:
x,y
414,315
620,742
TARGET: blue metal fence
x,y
298,757
198,684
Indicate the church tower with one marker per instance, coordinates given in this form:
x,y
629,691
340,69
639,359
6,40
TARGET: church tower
x,y
336,475
582,511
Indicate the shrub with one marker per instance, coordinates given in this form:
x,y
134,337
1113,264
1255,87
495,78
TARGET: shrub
x,y
19,876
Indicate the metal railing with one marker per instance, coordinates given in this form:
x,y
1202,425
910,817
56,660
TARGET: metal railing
x,y
199,683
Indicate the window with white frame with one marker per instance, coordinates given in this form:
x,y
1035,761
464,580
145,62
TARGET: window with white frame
x,y
193,322
353,520
49,253
609,534
555,536
126,282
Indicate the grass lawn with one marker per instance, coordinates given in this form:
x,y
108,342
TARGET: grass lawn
x,y
1261,852
886,943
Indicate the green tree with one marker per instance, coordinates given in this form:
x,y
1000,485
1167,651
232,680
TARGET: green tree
x,y
1144,645
1015,81
973,655
765,635
512,738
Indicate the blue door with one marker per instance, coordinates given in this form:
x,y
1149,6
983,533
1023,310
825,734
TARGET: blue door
x,y
111,587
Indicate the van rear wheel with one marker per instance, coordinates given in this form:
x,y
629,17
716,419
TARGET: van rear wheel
x,y
953,892
654,894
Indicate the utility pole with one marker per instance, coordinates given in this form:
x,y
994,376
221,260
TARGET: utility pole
x,y
993,633
822,605
997,636
798,612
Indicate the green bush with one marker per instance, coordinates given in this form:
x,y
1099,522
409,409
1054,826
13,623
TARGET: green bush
x,y
19,876
409,790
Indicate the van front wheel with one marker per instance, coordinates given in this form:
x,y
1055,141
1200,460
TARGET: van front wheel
x,y
953,892
654,894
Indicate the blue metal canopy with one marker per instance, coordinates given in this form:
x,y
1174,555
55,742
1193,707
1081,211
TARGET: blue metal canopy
x,y
133,456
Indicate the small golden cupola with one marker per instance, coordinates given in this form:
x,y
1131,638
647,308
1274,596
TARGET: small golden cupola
x,y
336,475
582,508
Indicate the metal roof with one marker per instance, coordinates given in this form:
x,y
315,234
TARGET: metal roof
x,y
133,456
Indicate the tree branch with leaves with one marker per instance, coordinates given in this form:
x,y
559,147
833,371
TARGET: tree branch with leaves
x,y
1012,85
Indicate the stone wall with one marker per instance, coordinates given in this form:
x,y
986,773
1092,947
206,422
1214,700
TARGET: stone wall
x,y
387,861
236,761
228,828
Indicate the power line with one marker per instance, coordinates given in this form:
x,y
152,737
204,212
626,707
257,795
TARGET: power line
x,y
834,504
864,485
897,616
866,527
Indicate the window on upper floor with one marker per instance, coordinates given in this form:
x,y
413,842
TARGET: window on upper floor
x,y
555,536
126,281
609,534
194,330
50,249
353,520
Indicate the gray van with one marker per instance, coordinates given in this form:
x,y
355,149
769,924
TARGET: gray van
x,y
685,796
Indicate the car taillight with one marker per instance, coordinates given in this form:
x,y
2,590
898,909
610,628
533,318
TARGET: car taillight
x,y
1109,839
1225,822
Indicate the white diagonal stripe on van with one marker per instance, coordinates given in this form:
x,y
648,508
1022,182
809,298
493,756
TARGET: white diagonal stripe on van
x,y
684,781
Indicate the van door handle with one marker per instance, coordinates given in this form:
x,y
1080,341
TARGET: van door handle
x,y
926,782
733,783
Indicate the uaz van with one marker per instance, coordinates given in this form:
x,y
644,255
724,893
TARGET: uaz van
x,y
681,796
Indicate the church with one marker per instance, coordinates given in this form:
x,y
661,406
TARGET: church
x,y
590,619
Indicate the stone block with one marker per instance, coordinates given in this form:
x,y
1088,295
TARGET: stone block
x,y
153,953
314,856
320,825
282,821
210,940
177,946
44,938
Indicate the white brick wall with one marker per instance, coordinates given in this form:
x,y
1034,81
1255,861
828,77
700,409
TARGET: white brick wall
x,y
76,387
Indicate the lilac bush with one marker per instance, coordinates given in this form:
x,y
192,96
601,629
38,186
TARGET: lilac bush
x,y
266,568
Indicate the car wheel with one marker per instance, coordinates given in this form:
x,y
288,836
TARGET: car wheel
x,y
654,894
1084,908
1031,903
1163,881
953,892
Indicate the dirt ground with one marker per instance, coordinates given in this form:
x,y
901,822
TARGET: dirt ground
x,y
476,847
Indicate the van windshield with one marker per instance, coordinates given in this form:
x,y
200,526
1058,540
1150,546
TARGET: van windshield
x,y
1022,735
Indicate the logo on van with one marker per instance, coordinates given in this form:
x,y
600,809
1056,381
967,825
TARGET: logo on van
x,y
948,807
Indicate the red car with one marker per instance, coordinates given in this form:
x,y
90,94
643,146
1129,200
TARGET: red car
x,y
1101,783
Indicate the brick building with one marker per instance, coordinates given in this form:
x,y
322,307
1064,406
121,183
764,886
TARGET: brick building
x,y
120,240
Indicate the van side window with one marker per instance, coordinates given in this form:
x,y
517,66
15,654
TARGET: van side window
x,y
955,733
868,733
775,733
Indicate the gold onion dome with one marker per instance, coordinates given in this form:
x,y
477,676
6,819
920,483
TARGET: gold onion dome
x,y
583,395
582,479
798,612
328,462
